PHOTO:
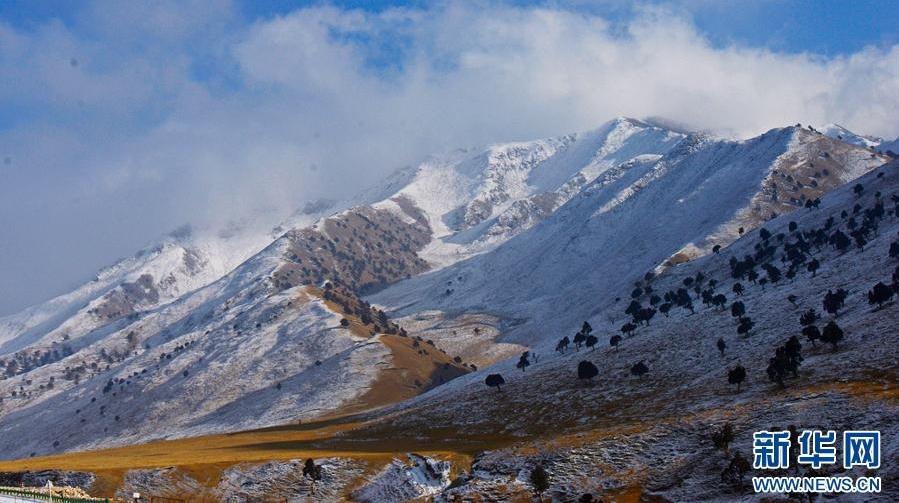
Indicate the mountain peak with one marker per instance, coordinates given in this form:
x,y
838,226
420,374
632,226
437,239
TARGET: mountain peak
x,y
669,124
839,132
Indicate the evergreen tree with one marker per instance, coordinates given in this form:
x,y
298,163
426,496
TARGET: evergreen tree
x,y
495,381
579,339
524,361
639,369
811,333
586,329
752,276
832,334
644,315
778,366
614,341
586,370
813,266
793,349
840,241
736,376
860,239
880,294
591,341
539,481
745,326
721,345
719,301
313,472
773,273
808,317
834,301
721,438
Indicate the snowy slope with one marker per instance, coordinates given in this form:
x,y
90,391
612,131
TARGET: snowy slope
x,y
246,351
839,132
210,361
650,434
638,217
176,265
476,199
499,192
891,146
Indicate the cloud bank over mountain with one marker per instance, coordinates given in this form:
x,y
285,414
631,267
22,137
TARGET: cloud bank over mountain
x,y
122,121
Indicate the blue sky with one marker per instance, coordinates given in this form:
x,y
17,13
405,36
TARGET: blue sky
x,y
122,120
826,27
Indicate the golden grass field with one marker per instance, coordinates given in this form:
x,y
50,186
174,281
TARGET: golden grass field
x,y
204,458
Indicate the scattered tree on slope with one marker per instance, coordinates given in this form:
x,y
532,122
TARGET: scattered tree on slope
x,y
524,361
736,376
586,370
539,481
639,369
495,381
832,334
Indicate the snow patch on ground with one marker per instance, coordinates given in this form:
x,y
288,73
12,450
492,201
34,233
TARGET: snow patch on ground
x,y
403,481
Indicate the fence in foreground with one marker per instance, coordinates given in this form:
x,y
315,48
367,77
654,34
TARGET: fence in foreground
x,y
44,496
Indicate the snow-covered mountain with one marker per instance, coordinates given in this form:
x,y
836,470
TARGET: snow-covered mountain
x,y
637,436
641,216
626,435
208,333
476,199
242,352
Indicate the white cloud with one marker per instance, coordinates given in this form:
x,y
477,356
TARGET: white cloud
x,y
180,108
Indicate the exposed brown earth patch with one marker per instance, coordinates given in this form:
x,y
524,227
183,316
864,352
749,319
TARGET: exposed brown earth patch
x,y
363,249
124,300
